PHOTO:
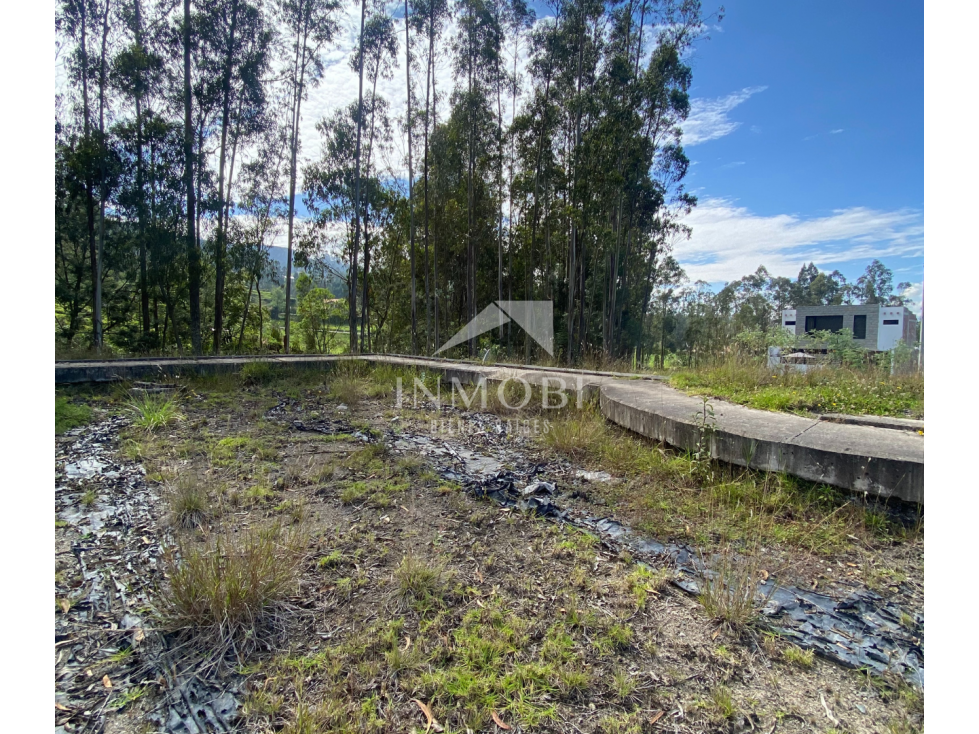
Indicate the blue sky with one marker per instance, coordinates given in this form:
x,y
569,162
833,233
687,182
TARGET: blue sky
x,y
809,141
806,136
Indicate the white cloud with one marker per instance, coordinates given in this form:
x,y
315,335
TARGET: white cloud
x,y
708,118
729,241
836,132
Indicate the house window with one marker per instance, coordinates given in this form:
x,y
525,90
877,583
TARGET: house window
x,y
891,322
790,323
824,323
860,327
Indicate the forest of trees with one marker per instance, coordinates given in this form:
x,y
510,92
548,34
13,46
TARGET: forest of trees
x,y
551,168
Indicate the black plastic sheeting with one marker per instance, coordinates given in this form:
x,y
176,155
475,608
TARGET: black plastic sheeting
x,y
861,631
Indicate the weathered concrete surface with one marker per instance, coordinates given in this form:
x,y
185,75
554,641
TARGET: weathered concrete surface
x,y
880,421
864,458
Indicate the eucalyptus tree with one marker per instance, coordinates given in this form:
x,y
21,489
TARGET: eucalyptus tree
x,y
193,248
374,57
431,18
239,36
307,25
477,50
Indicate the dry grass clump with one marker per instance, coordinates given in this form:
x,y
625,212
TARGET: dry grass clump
x,y
226,590
189,503
729,590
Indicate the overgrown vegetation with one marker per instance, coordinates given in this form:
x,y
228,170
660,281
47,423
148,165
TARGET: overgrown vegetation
x,y
351,581
68,415
830,389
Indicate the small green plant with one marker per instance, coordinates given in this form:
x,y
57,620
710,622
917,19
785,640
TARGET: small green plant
x,y
88,499
331,560
623,684
152,411
133,694
617,638
721,704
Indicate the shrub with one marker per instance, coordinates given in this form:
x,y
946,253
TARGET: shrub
x,y
258,373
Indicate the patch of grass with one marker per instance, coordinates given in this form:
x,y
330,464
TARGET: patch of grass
x,y
617,638
867,391
798,657
258,373
720,704
376,492
131,695
419,584
331,559
624,723
226,590
662,493
88,499
348,389
152,411
68,415
228,450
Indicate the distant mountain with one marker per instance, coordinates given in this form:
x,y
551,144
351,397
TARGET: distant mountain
x,y
278,255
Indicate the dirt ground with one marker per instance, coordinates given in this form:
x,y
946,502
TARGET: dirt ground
x,y
417,605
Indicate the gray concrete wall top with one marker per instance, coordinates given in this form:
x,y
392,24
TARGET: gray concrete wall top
x,y
864,458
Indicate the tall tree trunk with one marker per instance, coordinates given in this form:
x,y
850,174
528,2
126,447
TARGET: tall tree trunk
x,y
356,246
99,326
221,236
365,324
411,181
193,251
574,225
299,78
89,182
428,77
144,294
435,119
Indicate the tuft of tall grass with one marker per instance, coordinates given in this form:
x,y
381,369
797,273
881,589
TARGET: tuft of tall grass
x,y
224,591
189,503
152,411
729,589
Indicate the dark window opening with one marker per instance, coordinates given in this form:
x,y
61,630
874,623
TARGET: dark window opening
x,y
860,327
824,323
790,323
891,322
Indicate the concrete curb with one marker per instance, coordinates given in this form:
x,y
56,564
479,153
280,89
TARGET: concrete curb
x,y
864,458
